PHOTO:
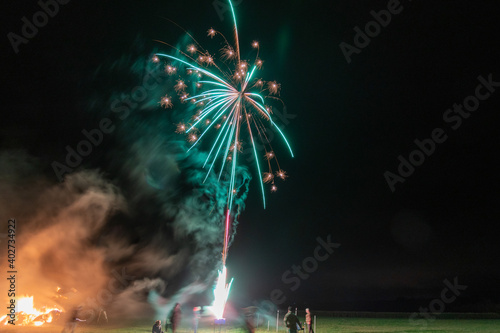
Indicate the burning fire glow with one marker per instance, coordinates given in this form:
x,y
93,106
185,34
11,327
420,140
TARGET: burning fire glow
x,y
28,315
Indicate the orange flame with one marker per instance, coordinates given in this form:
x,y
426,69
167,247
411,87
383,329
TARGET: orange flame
x,y
28,315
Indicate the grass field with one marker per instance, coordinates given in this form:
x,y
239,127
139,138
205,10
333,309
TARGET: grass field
x,y
324,325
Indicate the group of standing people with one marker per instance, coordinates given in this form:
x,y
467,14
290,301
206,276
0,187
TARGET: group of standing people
x,y
174,317
293,324
291,321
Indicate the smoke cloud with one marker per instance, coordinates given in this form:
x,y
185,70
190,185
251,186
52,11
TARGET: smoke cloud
x,y
134,229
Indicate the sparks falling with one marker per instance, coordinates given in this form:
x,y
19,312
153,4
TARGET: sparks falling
x,y
229,99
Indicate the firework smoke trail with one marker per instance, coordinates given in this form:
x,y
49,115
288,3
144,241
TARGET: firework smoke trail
x,y
226,100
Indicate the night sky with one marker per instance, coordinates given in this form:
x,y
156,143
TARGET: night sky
x,y
348,124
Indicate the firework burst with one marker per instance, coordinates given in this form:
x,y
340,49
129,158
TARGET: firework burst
x,y
229,100
230,107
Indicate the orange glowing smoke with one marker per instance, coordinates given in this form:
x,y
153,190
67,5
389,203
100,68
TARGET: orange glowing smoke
x,y
28,315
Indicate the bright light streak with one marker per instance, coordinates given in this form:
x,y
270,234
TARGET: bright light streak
x,y
221,294
228,99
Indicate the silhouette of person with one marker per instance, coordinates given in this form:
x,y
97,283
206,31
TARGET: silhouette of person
x,y
157,327
291,321
72,321
309,321
196,317
175,317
